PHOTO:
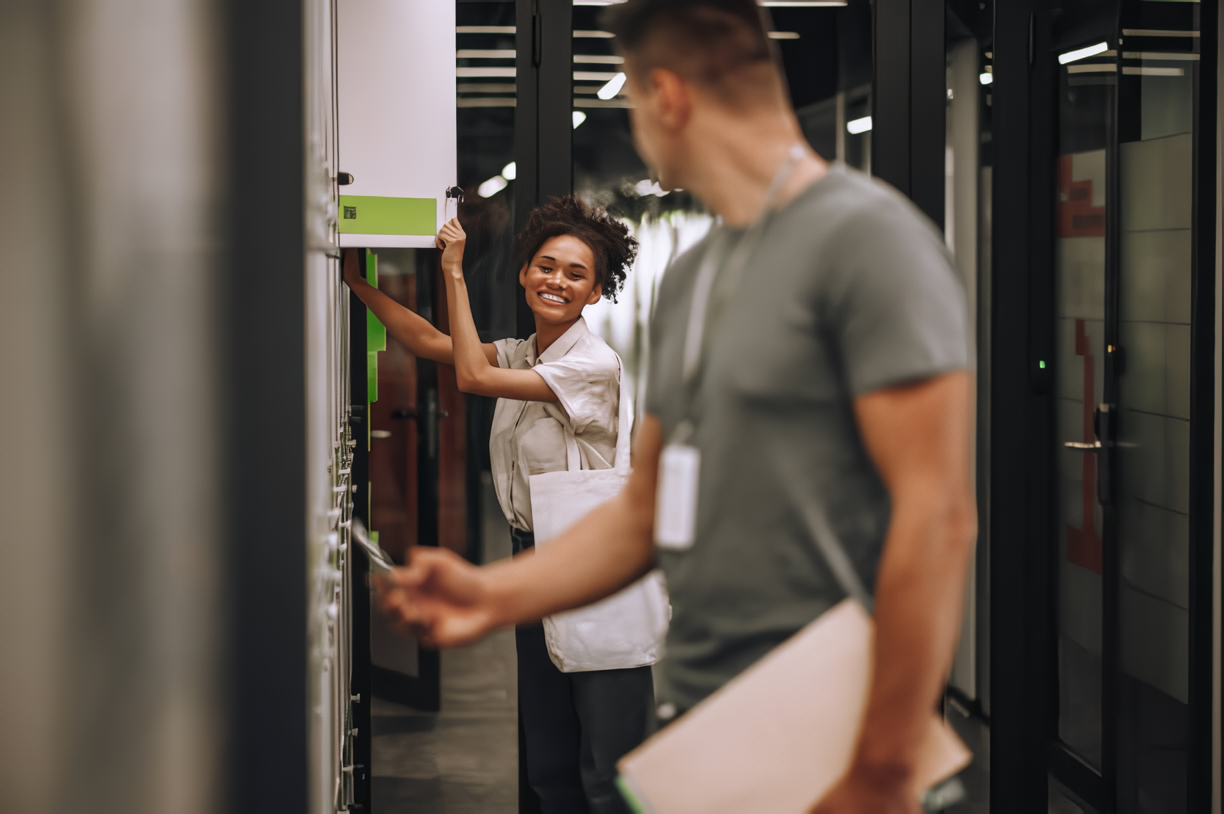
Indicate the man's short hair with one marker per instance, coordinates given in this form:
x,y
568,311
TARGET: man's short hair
x,y
720,45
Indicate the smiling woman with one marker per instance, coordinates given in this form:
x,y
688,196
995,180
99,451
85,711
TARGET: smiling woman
x,y
558,398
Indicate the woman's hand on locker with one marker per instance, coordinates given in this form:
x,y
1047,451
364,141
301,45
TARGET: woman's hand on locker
x,y
350,267
452,240
440,598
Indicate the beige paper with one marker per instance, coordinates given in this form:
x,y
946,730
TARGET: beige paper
x,y
776,739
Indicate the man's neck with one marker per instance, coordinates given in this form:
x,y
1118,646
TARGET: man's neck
x,y
735,160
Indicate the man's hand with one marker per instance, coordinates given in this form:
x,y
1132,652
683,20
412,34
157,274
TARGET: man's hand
x,y
350,267
858,794
440,598
452,240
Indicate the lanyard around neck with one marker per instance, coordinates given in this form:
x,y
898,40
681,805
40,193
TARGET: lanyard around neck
x,y
737,257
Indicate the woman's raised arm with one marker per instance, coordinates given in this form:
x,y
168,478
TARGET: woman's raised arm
x,y
410,329
475,371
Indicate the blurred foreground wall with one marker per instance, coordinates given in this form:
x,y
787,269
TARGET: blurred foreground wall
x,y
151,407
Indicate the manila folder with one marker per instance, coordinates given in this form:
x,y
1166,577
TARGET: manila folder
x,y
776,738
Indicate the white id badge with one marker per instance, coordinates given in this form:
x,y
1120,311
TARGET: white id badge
x,y
676,501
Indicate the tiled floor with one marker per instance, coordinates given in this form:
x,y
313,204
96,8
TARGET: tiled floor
x,y
464,759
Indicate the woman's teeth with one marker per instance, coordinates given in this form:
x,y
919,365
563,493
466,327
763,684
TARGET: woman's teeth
x,y
552,298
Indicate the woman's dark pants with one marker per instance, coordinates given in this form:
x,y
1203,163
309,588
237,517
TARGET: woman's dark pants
x,y
577,725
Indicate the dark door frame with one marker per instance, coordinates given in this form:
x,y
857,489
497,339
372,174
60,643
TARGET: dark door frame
x,y
1024,750
543,117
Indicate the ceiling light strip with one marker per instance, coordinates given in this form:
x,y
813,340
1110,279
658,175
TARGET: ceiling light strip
x,y
1150,32
1136,71
1156,55
487,87
486,101
486,53
1091,68
595,76
485,73
623,104
584,33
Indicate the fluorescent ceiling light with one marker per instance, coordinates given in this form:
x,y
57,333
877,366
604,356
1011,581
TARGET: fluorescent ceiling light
x,y
484,29
613,87
1083,53
593,76
594,35
1128,71
484,73
510,171
986,78
601,60
485,53
579,118
493,186
784,35
858,126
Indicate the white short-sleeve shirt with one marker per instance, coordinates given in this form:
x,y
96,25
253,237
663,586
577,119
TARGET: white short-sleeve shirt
x,y
527,437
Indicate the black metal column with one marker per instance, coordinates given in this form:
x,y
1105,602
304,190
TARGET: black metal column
x,y
265,411
543,119
1204,477
909,100
1024,93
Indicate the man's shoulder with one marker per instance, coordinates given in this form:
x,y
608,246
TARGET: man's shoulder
x,y
865,213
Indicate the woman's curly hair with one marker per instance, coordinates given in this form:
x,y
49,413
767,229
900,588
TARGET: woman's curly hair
x,y
610,241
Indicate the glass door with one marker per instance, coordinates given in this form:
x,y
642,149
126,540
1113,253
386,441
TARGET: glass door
x,y
1124,540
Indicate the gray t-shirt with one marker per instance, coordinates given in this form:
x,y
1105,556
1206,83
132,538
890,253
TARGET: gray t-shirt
x,y
850,290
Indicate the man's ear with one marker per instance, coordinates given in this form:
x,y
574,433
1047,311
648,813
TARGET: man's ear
x,y
672,98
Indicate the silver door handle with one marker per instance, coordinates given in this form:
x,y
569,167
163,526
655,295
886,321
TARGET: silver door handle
x,y
1086,446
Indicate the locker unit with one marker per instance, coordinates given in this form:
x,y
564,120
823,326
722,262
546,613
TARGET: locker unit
x,y
380,119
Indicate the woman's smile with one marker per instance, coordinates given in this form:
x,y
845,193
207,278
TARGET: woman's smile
x,y
548,296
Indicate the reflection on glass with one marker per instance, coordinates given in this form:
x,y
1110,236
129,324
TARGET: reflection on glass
x,y
1085,111
1156,119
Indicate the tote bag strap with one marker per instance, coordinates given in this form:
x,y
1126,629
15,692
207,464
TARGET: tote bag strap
x,y
624,431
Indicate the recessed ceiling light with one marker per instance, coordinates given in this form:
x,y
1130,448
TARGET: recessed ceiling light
x,y
613,87
857,126
493,186
1083,53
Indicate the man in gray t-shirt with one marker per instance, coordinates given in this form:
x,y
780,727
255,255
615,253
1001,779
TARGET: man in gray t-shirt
x,y
848,291
829,403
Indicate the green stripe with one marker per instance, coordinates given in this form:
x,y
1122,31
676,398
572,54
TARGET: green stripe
x,y
631,799
376,335
369,215
376,332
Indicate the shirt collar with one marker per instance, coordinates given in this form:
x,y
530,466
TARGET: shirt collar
x,y
563,345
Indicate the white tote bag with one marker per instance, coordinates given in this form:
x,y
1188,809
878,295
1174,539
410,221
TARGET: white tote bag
x,y
628,628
